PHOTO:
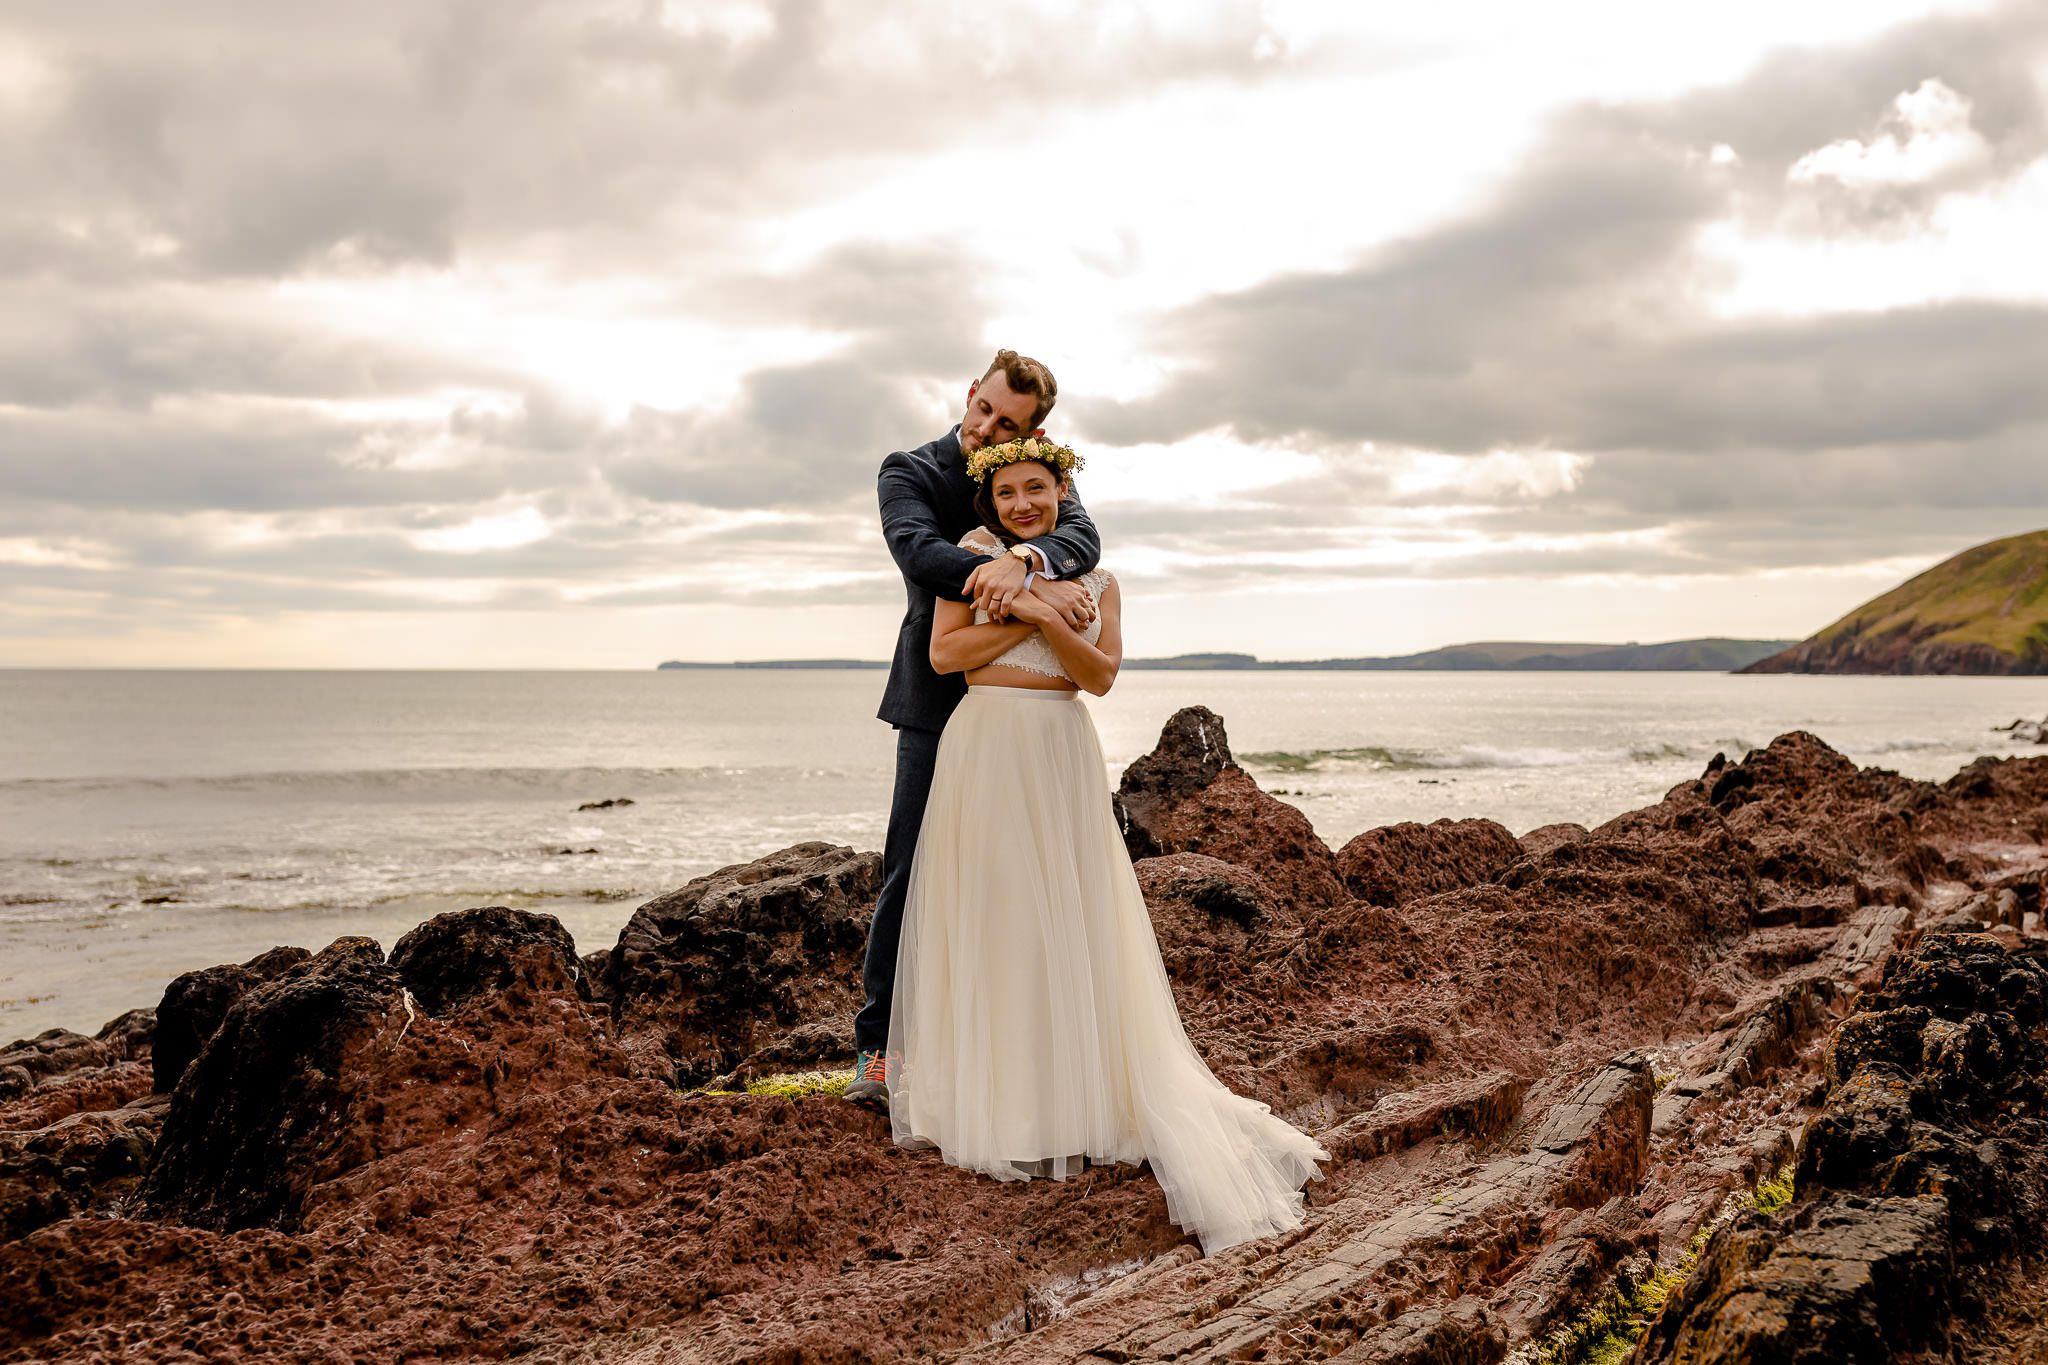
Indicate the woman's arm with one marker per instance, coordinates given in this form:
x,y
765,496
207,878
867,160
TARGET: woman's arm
x,y
1092,667
959,645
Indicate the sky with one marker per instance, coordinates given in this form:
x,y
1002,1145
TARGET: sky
x,y
506,333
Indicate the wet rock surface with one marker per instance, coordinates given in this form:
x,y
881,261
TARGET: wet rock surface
x,y
1540,1065
78,1139
709,974
479,954
1920,1185
195,1003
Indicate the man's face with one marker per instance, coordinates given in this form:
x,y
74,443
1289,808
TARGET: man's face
x,y
995,414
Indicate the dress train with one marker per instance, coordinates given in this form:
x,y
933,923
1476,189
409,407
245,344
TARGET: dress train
x,y
1033,1023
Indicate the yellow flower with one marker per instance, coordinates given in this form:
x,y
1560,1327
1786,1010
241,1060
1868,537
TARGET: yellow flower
x,y
988,459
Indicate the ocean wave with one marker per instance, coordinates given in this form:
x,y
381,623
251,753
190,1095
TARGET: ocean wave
x,y
414,783
1470,756
1906,744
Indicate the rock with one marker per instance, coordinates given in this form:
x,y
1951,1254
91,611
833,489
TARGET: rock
x,y
720,969
1544,838
606,804
1916,1185
809,1047
1347,1068
264,1112
1481,1108
1830,1282
1600,1134
1192,752
1189,796
516,1176
1752,1039
129,1036
1397,863
54,1052
593,968
79,1163
194,1004
1220,896
467,954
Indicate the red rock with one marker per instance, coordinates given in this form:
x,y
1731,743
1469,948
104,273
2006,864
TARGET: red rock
x,y
705,976
1397,863
502,1178
1544,838
1189,796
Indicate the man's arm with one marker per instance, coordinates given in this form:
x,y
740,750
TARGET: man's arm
x,y
1066,552
911,528
1074,546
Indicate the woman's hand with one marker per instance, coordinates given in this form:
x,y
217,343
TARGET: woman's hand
x,y
1032,609
1075,604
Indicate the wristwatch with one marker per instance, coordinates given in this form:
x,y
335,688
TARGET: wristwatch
x,y
1023,555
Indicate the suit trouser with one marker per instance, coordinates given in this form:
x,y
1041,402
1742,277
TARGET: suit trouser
x,y
917,755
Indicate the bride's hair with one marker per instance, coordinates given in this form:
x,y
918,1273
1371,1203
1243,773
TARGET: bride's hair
x,y
985,502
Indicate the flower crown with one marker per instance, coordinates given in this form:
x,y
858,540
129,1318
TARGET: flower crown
x,y
988,459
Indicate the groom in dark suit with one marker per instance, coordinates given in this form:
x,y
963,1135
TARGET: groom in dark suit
x,y
927,505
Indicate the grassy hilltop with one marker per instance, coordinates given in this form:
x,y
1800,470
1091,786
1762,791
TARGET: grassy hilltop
x,y
1984,611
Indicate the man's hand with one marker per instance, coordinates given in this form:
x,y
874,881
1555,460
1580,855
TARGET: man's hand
x,y
1070,600
994,585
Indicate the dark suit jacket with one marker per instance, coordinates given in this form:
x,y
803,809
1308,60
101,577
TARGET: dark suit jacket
x,y
927,505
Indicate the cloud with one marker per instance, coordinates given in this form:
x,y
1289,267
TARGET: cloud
x,y
1926,136
1574,312
312,307
225,140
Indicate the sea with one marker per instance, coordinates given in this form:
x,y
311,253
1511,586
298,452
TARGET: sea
x,y
153,822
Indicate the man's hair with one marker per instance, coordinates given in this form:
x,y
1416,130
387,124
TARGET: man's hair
x,y
1025,375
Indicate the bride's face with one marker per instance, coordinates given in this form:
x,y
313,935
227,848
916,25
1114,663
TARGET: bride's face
x,y
1026,497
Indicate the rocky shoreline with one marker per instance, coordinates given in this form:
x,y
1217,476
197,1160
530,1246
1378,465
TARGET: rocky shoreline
x,y
1549,1070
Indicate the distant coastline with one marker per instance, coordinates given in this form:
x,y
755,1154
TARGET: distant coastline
x,y
1712,655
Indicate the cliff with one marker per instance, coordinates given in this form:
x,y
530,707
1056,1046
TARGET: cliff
x,y
1559,1077
1985,611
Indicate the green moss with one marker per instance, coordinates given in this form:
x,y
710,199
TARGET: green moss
x,y
1610,1331
1774,1193
792,1084
1606,1335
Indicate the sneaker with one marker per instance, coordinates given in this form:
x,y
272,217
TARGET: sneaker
x,y
870,1083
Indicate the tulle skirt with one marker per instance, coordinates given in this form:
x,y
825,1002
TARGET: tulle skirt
x,y
1033,1026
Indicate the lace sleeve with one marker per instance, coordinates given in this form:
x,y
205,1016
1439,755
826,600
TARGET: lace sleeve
x,y
981,542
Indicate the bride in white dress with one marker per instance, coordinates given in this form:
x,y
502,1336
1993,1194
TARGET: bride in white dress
x,y
1033,1024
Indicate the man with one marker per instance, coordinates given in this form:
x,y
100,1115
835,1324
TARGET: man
x,y
927,505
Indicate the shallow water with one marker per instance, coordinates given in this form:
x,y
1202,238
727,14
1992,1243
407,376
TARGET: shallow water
x,y
153,822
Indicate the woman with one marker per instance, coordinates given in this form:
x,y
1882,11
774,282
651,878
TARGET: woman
x,y
1034,1027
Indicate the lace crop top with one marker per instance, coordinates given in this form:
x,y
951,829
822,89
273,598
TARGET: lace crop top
x,y
1034,653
